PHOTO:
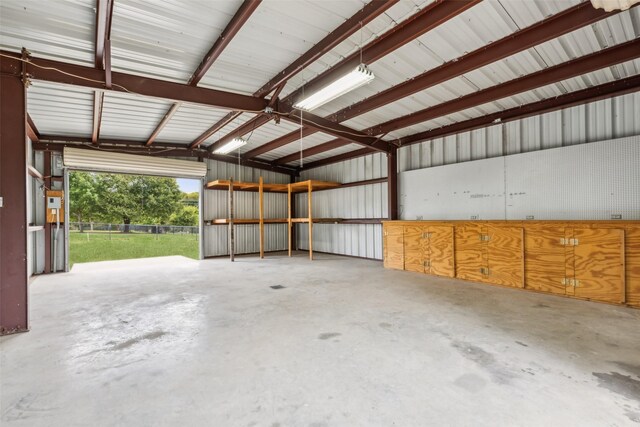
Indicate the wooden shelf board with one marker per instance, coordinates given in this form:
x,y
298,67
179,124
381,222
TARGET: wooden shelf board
x,y
297,187
219,221
303,186
317,220
223,184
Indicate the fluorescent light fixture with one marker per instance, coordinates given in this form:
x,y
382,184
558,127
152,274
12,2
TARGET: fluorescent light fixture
x,y
234,144
356,78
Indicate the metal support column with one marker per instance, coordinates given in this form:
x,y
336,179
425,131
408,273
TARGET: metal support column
x,y
232,242
392,182
13,206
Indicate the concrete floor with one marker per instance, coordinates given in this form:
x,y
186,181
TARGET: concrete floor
x,y
172,341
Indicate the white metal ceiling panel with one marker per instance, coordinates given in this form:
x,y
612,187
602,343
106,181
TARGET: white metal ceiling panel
x,y
168,39
267,133
61,109
61,30
307,142
191,120
277,34
346,149
131,117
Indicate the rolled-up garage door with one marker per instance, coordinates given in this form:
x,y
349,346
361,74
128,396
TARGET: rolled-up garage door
x,y
107,161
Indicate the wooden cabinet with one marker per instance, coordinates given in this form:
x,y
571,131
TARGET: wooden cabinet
x,y
546,261
490,254
470,252
582,262
441,251
598,264
505,256
394,246
429,250
597,260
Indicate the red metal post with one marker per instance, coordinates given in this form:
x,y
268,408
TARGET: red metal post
x,y
392,182
13,212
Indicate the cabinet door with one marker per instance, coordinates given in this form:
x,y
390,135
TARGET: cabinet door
x,y
505,250
469,252
632,265
545,259
393,246
441,251
415,251
599,264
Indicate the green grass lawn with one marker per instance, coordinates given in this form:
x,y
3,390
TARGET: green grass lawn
x,y
99,246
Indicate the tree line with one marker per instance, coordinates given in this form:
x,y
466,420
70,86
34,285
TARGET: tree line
x,y
130,199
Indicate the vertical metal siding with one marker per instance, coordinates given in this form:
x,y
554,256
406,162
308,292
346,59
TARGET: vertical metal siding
x,y
606,119
245,206
367,201
580,182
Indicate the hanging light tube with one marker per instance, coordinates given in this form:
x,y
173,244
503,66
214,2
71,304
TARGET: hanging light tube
x,y
234,144
356,78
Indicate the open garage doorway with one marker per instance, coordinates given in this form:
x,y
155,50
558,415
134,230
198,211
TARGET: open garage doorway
x,y
121,207
119,216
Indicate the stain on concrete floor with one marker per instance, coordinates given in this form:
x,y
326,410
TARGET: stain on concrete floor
x,y
128,343
328,335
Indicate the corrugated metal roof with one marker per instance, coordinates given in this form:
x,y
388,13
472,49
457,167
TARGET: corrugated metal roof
x,y
277,33
294,147
168,39
64,32
61,109
347,148
130,117
191,120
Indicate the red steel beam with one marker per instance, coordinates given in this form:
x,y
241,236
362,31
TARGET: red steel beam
x,y
163,122
77,75
592,94
555,26
337,36
104,14
13,214
339,158
312,151
228,118
233,27
98,102
335,129
32,130
428,18
420,23
279,142
392,184
576,67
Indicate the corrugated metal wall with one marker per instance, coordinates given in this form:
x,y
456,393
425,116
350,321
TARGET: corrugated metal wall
x,y
607,119
367,201
597,181
245,206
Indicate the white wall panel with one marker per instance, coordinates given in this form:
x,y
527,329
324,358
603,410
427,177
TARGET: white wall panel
x,y
606,119
361,240
581,182
245,206
365,201
471,190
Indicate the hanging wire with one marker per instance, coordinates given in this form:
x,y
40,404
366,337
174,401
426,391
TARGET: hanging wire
x,y
301,156
361,42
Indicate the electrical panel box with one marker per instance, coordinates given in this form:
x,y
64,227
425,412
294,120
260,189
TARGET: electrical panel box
x,y
55,206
